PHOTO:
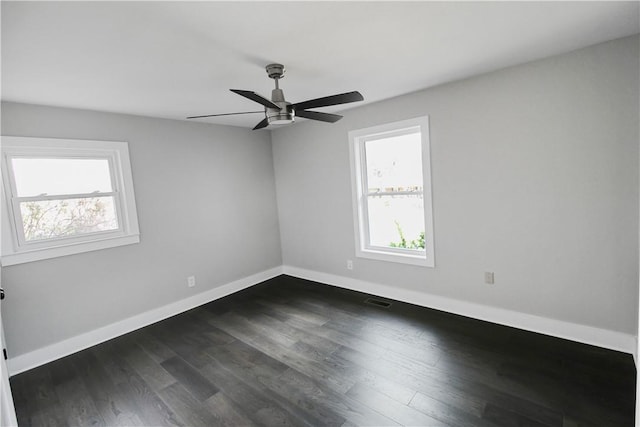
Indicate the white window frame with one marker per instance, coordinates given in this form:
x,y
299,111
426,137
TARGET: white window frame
x,y
357,140
16,249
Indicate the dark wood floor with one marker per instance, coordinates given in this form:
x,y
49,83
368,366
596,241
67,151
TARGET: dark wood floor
x,y
292,352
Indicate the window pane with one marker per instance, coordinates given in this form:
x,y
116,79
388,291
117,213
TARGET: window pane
x,y
395,163
396,221
60,176
47,219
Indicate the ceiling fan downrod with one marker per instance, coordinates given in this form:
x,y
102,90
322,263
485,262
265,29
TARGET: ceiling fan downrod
x,y
286,114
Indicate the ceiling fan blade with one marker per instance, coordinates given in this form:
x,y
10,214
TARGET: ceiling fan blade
x,y
343,98
262,124
224,114
315,115
255,97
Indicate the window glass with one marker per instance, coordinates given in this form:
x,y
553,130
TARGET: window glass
x,y
394,163
37,176
396,221
393,168
50,219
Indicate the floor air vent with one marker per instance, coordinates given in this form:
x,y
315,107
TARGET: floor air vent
x,y
377,302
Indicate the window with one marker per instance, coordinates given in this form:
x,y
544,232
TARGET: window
x,y
391,179
64,197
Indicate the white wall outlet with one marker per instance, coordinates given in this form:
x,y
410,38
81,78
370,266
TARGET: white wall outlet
x,y
349,264
191,281
488,277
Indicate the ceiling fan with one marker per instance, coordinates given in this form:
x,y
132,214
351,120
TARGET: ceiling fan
x,y
278,111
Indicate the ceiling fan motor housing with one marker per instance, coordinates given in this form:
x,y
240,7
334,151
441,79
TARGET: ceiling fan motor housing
x,y
285,114
275,71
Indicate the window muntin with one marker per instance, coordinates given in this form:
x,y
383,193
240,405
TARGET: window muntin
x,y
392,202
64,197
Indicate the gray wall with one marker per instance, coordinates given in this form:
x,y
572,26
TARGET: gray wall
x,y
206,207
535,177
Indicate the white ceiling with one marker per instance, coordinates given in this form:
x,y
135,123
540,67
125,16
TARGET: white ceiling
x,y
177,59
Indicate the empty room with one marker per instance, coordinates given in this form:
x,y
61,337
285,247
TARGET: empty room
x,y
319,213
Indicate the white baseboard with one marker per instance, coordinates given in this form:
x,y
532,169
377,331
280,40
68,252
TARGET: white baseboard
x,y
38,357
572,331
558,328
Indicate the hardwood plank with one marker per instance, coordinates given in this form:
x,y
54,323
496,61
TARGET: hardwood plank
x,y
292,310
570,421
187,345
403,414
341,335
465,395
229,414
321,349
342,367
79,408
450,413
114,410
186,407
371,322
155,348
149,408
503,416
244,330
190,378
255,399
36,400
308,393
252,357
151,372
269,382
482,379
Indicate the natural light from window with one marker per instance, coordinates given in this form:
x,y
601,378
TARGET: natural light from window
x,y
34,176
392,194
394,180
49,186
64,197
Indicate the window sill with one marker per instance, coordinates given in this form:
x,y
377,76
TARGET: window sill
x,y
70,249
420,260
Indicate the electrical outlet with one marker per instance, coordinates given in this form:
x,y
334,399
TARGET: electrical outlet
x,y
349,264
191,281
488,277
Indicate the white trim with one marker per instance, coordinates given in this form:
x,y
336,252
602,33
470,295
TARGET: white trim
x,y
15,249
71,249
55,351
360,191
7,409
572,331
391,255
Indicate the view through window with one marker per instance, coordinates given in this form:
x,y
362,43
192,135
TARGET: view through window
x,y
395,191
392,198
62,197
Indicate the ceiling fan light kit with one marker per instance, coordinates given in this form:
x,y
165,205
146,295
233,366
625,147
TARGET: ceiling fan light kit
x,y
278,111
